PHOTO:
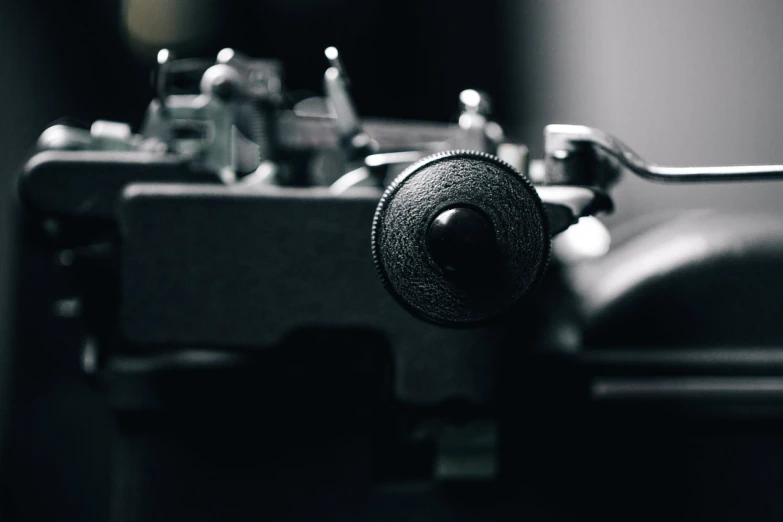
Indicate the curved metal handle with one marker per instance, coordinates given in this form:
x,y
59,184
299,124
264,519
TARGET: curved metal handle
x,y
561,141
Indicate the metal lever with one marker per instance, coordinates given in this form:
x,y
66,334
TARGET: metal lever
x,y
474,122
576,154
333,56
164,60
356,143
347,119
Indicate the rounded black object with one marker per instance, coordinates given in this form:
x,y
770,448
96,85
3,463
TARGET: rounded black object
x,y
459,237
462,242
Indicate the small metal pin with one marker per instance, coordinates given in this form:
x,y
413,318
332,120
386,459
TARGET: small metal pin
x,y
333,55
164,59
225,55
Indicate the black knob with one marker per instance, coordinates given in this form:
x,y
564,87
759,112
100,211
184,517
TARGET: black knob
x,y
460,237
461,241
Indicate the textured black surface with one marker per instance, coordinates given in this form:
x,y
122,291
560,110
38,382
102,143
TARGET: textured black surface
x,y
466,179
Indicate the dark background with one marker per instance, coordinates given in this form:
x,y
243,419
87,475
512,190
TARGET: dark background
x,y
683,82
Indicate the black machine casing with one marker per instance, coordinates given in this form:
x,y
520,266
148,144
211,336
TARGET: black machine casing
x,y
227,351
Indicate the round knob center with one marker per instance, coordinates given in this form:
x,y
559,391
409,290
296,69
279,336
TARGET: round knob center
x,y
461,241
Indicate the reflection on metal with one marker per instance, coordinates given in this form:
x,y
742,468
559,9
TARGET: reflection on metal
x,y
264,175
340,103
566,204
333,55
587,239
64,137
360,177
394,158
619,388
164,62
473,101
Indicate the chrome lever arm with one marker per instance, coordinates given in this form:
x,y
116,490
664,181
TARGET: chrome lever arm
x,y
576,154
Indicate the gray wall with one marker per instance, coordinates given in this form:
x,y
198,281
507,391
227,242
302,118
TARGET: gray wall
x,y
682,82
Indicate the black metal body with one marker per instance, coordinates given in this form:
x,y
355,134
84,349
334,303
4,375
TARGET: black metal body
x,y
255,367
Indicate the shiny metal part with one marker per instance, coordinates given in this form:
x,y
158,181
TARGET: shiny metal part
x,y
227,124
333,55
264,175
347,119
581,200
221,80
112,130
355,141
103,135
196,126
371,173
113,135
572,150
164,59
260,80
478,133
395,158
566,204
338,97
361,177
474,101
64,137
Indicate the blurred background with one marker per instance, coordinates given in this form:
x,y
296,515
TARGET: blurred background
x,y
684,82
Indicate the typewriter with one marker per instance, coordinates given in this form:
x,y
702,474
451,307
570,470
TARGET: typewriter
x,y
296,313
